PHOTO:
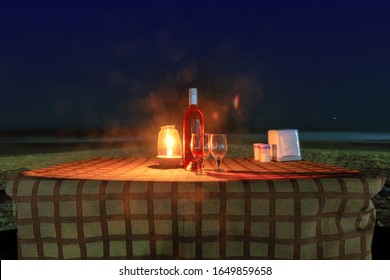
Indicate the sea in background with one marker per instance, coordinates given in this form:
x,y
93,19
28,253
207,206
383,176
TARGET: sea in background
x,y
332,136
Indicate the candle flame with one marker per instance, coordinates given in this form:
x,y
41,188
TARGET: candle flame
x,y
169,141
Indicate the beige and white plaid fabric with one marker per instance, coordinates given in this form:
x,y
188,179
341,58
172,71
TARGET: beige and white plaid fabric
x,y
134,210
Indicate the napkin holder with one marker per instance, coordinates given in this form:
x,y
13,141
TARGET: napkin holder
x,y
284,145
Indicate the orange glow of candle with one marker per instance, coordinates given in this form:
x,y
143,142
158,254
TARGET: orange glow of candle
x,y
169,149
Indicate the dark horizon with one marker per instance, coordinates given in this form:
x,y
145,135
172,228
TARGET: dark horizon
x,y
124,132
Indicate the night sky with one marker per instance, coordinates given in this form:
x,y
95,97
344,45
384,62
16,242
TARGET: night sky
x,y
258,65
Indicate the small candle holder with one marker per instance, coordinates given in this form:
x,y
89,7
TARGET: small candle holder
x,y
169,150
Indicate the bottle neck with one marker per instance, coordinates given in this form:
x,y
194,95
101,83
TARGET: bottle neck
x,y
193,99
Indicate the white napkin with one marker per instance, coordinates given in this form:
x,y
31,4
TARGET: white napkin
x,y
284,144
290,143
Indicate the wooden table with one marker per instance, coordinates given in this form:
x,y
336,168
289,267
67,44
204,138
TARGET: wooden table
x,y
112,208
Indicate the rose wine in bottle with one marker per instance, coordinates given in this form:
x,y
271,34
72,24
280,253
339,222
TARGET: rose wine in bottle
x,y
193,122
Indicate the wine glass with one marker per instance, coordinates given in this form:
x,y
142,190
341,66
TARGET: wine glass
x,y
218,145
200,149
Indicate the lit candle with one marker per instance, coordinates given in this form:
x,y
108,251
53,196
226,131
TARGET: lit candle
x,y
169,148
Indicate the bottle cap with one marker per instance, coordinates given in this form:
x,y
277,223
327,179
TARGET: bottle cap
x,y
193,91
193,96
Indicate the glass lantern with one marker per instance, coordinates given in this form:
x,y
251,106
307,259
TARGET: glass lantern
x,y
169,150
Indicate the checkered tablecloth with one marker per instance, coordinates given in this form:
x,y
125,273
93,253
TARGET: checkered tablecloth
x,y
132,169
133,209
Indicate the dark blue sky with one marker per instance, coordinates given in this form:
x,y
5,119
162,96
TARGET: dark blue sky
x,y
310,65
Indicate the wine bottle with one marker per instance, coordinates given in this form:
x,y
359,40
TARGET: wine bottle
x,y
193,122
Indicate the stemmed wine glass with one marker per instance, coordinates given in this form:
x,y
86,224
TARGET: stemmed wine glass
x,y
218,144
200,148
